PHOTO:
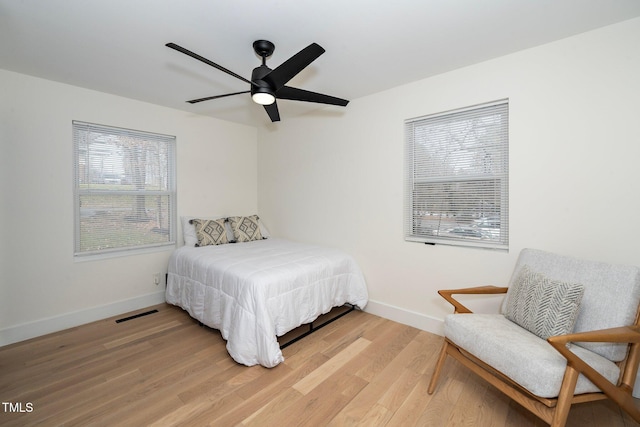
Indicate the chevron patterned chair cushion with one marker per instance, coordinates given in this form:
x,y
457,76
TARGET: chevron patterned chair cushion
x,y
543,306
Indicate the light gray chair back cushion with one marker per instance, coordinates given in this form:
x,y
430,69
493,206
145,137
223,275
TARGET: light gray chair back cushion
x,y
611,295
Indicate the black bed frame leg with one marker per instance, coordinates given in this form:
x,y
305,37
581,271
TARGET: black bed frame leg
x,y
312,328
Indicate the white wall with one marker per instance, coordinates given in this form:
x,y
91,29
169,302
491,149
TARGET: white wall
x,y
337,178
42,289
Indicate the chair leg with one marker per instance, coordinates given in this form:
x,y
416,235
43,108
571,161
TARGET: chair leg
x,y
438,367
565,397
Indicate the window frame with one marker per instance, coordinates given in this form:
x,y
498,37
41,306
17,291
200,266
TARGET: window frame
x,y
85,187
434,182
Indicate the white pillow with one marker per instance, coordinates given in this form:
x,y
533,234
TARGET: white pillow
x,y
263,229
189,231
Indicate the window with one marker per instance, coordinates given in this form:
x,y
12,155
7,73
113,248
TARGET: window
x,y
457,177
124,189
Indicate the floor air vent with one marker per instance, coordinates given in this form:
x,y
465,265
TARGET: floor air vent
x,y
135,316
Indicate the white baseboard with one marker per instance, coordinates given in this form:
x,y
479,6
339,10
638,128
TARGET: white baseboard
x,y
40,327
406,317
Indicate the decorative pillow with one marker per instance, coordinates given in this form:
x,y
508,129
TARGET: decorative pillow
x,y
210,231
245,228
541,305
189,231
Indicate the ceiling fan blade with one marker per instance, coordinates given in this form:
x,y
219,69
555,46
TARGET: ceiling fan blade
x,y
206,61
295,94
272,111
292,66
193,101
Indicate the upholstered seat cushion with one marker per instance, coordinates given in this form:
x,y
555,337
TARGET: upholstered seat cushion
x,y
520,355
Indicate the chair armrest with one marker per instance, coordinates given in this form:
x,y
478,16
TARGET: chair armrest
x,y
623,334
479,290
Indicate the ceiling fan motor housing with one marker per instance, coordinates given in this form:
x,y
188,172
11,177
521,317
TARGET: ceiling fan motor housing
x,y
261,87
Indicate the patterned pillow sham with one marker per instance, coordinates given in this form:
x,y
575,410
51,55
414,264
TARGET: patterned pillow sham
x,y
210,231
245,228
543,306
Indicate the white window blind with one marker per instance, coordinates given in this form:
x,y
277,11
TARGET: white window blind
x,y
457,177
124,189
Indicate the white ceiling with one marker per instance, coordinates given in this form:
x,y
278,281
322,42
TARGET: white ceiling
x,y
118,46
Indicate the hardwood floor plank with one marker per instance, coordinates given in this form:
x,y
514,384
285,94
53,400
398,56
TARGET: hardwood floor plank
x,y
400,388
386,387
297,354
386,347
261,397
518,416
377,415
59,408
493,408
465,411
353,326
312,380
198,412
413,406
149,390
443,401
321,403
267,414
142,334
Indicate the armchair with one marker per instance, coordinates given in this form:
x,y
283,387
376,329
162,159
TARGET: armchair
x,y
569,333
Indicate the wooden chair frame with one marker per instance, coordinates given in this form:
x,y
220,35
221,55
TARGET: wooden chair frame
x,y
556,410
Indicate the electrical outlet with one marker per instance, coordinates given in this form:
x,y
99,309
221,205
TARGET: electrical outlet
x,y
156,279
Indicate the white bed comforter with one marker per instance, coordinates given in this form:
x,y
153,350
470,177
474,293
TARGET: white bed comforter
x,y
255,291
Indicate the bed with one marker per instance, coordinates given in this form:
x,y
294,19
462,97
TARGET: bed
x,y
255,291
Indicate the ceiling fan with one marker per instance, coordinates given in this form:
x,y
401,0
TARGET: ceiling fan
x,y
267,85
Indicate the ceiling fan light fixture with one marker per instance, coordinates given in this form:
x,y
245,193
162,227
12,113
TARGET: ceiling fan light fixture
x,y
263,97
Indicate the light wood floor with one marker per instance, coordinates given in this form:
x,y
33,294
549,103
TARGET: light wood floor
x,y
164,369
